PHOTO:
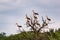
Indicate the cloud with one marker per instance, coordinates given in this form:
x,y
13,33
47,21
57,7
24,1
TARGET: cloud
x,y
12,11
49,2
9,4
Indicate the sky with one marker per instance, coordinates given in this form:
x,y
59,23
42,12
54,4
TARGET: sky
x,y
14,11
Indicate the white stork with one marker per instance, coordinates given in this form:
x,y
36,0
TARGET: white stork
x,y
35,17
27,17
35,13
48,18
18,25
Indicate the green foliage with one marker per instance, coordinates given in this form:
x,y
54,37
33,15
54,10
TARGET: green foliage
x,y
2,36
31,36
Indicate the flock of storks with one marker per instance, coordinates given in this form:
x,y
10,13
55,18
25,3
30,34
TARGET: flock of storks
x,y
34,13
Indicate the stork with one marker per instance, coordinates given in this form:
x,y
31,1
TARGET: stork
x,y
48,18
35,12
44,22
18,25
35,17
27,17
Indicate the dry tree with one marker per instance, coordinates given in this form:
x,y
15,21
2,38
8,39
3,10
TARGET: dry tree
x,y
34,23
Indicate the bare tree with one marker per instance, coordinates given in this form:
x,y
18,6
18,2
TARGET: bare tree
x,y
35,25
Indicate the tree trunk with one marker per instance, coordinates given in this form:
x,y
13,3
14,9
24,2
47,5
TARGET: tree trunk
x,y
36,35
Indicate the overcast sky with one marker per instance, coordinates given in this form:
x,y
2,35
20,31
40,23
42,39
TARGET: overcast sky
x,y
12,11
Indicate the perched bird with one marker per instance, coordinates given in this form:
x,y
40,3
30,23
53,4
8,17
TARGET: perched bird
x,y
18,25
27,17
35,17
38,24
45,24
35,13
48,18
